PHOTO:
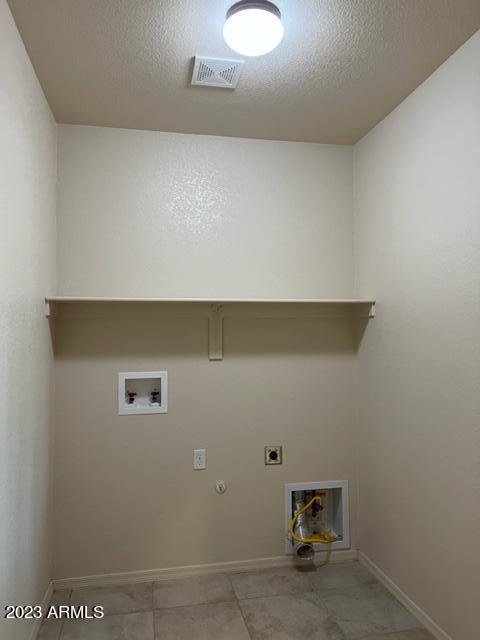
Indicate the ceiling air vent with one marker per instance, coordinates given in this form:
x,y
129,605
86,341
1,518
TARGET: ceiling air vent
x,y
216,72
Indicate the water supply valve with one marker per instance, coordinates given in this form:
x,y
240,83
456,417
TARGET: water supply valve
x,y
142,392
154,397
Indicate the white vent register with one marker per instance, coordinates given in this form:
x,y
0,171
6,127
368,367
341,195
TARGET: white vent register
x,y
216,72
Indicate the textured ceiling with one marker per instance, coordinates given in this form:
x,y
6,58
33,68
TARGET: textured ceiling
x,y
342,66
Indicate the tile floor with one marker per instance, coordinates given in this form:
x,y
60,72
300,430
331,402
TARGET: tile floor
x,y
336,602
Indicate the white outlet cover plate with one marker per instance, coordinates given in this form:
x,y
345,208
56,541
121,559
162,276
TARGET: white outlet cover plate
x,y
199,459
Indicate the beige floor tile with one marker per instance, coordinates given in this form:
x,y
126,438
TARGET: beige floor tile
x,y
289,618
341,575
222,621
61,597
50,630
130,626
121,599
190,591
365,610
270,582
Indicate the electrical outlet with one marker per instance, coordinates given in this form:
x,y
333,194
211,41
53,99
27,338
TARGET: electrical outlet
x,y
273,455
199,459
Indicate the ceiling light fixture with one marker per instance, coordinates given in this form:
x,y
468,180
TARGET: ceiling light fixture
x,y
253,28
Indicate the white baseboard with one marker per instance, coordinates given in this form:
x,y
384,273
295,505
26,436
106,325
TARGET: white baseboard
x,y
400,595
47,596
110,579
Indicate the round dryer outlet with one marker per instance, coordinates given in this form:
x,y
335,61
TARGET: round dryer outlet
x,y
273,455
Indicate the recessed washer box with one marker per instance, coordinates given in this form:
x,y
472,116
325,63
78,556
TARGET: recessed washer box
x,y
334,517
142,392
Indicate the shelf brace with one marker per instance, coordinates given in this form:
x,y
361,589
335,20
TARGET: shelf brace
x,y
215,332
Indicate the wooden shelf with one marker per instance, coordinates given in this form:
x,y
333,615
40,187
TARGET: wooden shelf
x,y
216,309
341,301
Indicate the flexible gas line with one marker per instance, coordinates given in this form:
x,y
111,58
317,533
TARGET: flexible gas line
x,y
323,537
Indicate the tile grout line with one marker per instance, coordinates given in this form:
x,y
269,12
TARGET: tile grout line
x,y
62,620
229,576
244,620
195,604
117,613
237,600
153,610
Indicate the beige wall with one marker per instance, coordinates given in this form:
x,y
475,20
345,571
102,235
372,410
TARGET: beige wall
x,y
127,497
27,211
417,217
143,213
213,216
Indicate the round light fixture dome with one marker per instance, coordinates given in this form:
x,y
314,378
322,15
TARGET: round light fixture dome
x,y
253,28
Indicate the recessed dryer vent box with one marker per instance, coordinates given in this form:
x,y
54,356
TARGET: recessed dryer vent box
x,y
334,517
142,392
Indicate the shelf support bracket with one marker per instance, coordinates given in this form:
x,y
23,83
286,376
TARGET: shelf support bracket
x,y
215,332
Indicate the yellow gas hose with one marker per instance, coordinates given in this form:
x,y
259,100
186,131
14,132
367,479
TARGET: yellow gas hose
x,y
323,537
